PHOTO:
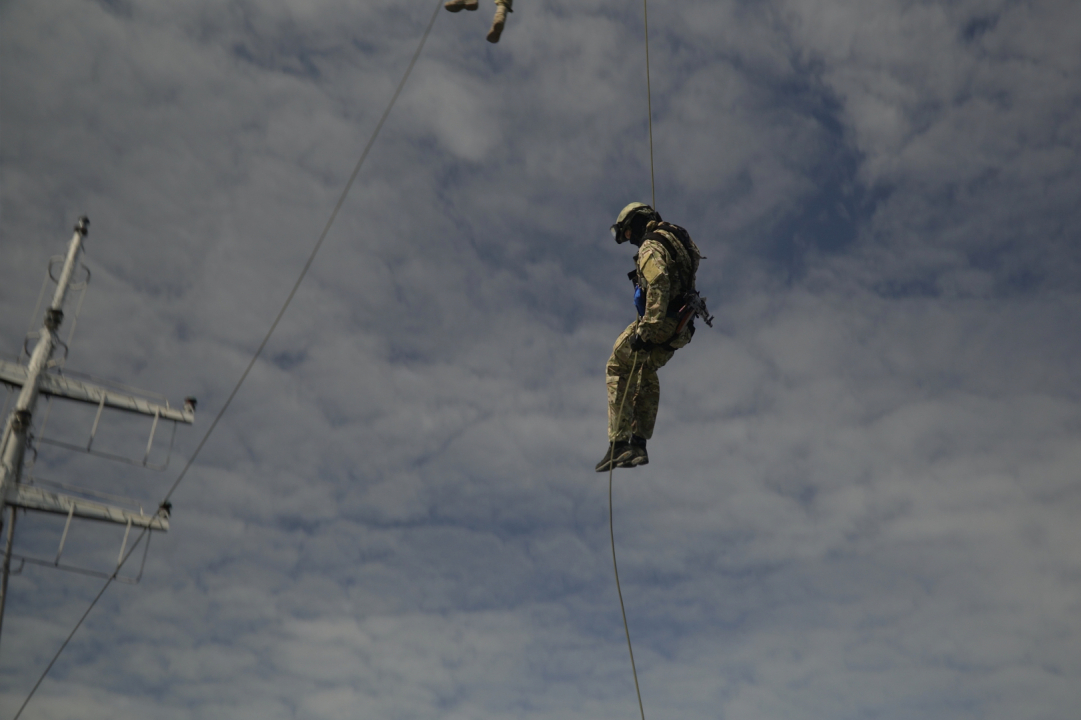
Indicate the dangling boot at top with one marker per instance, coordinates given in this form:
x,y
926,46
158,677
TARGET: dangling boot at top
x,y
502,7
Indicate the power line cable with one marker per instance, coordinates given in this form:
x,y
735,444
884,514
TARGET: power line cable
x,y
263,344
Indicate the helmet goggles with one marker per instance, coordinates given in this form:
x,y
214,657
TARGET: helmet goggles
x,y
626,219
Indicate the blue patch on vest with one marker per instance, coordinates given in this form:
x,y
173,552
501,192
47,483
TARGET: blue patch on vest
x,y
640,301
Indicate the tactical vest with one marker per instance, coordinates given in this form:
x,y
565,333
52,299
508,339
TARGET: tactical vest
x,y
683,256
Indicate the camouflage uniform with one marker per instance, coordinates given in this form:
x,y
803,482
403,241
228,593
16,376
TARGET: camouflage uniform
x,y
664,279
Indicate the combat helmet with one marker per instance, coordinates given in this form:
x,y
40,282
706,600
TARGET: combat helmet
x,y
634,218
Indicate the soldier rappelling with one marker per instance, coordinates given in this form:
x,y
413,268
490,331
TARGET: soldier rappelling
x,y
667,303
502,7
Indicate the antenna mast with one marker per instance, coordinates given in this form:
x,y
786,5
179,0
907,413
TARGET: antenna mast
x,y
35,380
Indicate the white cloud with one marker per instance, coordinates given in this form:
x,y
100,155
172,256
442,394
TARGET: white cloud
x,y
862,486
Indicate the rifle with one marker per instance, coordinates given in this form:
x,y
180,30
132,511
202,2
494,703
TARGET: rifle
x,y
694,305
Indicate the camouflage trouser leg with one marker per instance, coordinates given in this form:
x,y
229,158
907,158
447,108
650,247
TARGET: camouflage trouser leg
x,y
643,388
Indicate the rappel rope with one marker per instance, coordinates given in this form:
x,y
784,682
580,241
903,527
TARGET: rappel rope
x,y
630,377
649,108
262,345
612,534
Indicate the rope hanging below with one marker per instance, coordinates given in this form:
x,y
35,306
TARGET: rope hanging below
x,y
612,534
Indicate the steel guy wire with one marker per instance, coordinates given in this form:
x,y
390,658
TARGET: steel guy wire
x,y
79,624
266,339
315,250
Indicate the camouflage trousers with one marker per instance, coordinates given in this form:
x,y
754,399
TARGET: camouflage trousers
x,y
644,389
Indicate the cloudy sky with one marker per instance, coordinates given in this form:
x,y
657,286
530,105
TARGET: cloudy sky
x,y
863,491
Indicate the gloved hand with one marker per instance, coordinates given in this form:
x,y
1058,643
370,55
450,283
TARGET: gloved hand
x,y
637,343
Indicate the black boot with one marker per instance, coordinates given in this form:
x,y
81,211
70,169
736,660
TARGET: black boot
x,y
618,452
638,455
